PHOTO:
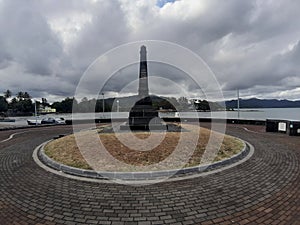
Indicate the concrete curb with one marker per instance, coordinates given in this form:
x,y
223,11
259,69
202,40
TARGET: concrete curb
x,y
28,127
139,176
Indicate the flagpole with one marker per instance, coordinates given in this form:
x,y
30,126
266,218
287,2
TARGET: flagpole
x,y
35,112
238,102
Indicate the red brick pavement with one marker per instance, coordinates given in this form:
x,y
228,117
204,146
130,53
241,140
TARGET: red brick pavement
x,y
263,190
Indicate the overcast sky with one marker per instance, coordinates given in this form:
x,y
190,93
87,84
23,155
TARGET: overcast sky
x,y
253,45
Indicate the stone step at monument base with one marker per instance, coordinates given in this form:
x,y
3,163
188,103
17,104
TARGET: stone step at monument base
x,y
137,120
146,120
142,107
143,110
144,127
151,114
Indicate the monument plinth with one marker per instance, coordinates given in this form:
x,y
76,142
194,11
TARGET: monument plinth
x,y
143,116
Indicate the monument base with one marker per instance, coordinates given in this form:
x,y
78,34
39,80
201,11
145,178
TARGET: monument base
x,y
144,127
144,117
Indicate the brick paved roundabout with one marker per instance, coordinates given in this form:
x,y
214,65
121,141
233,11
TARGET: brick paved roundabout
x,y
263,190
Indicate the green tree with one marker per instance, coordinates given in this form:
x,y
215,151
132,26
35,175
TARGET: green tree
x,y
85,105
202,105
7,94
183,103
45,102
20,95
99,105
26,95
13,102
66,105
163,103
3,104
21,104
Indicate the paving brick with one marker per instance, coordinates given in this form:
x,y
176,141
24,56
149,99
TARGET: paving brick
x,y
263,190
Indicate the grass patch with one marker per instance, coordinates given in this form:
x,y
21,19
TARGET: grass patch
x,y
230,146
65,150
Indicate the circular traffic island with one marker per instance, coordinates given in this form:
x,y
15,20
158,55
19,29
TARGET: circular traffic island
x,y
142,155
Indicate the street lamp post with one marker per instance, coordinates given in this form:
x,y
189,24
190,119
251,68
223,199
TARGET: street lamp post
x,y
103,105
118,106
238,102
35,112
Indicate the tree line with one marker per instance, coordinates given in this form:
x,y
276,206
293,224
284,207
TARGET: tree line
x,y
22,104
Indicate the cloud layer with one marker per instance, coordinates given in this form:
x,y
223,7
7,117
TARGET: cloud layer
x,y
251,45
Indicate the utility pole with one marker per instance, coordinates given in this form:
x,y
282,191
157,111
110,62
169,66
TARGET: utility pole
x,y
238,102
35,112
103,105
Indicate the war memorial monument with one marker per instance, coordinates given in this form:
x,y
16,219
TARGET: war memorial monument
x,y
143,116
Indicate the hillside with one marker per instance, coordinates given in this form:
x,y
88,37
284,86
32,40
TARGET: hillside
x,y
263,103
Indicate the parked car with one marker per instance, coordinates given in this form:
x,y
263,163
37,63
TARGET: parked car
x,y
48,120
34,122
60,120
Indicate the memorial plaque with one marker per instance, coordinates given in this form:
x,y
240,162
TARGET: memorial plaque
x,y
282,126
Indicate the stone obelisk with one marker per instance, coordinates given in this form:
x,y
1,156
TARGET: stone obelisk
x,y
143,76
143,116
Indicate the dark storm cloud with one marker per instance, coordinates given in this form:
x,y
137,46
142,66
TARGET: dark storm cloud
x,y
251,45
107,30
281,71
252,58
167,74
197,28
27,38
239,40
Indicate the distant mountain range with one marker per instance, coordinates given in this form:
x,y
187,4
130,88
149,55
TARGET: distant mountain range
x,y
263,103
